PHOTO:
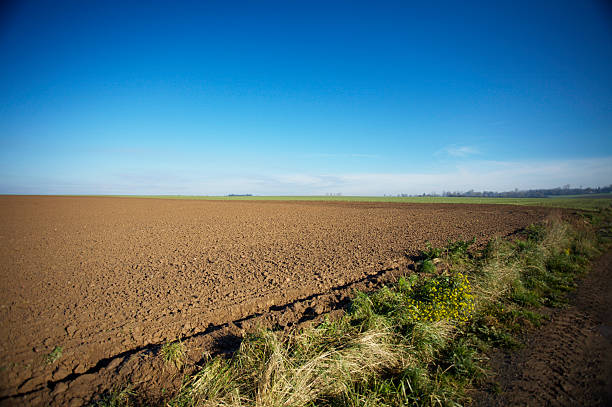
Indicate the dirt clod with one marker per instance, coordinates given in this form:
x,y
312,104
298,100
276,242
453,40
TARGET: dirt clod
x,y
59,388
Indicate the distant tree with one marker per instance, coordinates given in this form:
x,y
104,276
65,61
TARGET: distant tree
x,y
531,193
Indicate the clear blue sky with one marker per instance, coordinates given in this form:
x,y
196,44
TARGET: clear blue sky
x,y
305,97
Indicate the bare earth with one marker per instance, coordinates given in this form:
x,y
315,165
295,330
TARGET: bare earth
x,y
109,279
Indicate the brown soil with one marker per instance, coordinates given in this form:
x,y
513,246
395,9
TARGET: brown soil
x,y
567,362
110,279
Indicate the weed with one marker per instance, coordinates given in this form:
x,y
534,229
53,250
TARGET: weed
x,y
535,233
459,248
118,397
427,267
493,333
431,252
173,353
54,355
464,360
441,297
453,250
405,284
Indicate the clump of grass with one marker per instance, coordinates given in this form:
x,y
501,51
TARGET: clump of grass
x,y
273,370
428,267
455,255
456,250
54,355
173,353
118,397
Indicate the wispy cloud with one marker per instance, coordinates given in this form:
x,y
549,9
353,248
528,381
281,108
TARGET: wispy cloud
x,y
478,175
458,151
341,155
365,155
120,150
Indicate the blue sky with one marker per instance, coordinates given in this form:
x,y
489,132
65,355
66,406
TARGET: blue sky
x,y
362,98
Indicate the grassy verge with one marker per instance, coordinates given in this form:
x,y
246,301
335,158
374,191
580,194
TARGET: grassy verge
x,y
419,342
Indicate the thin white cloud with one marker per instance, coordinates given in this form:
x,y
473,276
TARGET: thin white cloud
x,y
459,151
489,175
365,155
478,175
341,155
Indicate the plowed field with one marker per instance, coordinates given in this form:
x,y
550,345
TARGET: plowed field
x,y
108,279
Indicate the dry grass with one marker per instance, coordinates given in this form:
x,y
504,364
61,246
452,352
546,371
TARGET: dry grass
x,y
272,370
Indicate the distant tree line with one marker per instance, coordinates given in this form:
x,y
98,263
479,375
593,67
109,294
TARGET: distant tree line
x,y
530,193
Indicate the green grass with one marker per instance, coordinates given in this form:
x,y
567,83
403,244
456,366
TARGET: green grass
x,y
119,397
582,202
422,341
54,355
581,196
173,353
